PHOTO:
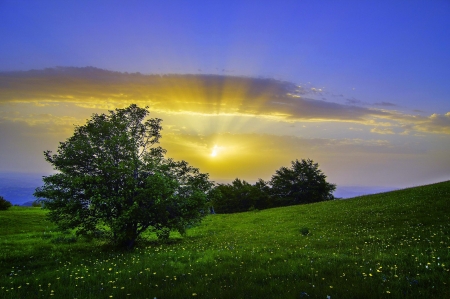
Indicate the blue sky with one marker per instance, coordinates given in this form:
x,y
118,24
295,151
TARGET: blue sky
x,y
385,65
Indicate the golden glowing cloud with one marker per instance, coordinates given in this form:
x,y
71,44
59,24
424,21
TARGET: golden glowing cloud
x,y
227,126
93,88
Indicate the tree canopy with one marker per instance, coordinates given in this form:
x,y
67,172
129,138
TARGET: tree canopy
x,y
302,183
240,196
112,179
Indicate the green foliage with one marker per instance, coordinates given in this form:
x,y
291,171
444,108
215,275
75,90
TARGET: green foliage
x,y
234,197
389,245
112,178
4,204
240,196
303,183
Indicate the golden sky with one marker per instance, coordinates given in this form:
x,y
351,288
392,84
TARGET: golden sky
x,y
228,126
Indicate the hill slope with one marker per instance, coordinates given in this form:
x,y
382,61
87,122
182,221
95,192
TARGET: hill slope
x,y
389,245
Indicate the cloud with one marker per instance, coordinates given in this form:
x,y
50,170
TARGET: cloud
x,y
380,130
198,94
205,94
353,101
43,119
436,123
385,104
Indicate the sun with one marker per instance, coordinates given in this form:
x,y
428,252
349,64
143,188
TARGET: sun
x,y
214,151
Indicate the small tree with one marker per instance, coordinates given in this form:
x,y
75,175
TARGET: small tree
x,y
4,204
111,175
303,183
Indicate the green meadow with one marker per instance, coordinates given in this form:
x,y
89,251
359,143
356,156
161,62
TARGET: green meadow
x,y
388,245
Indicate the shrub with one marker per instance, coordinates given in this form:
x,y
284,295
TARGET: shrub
x,y
304,231
4,204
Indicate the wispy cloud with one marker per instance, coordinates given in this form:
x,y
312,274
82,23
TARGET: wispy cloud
x,y
385,104
380,130
353,101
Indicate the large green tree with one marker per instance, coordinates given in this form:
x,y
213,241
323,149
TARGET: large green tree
x,y
302,183
112,178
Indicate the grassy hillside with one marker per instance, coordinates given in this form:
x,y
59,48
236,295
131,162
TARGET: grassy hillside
x,y
390,245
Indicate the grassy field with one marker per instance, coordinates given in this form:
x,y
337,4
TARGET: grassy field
x,y
389,245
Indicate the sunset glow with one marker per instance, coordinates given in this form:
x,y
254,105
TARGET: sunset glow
x,y
242,89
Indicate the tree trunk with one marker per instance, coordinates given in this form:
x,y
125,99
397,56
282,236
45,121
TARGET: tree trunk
x,y
129,237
